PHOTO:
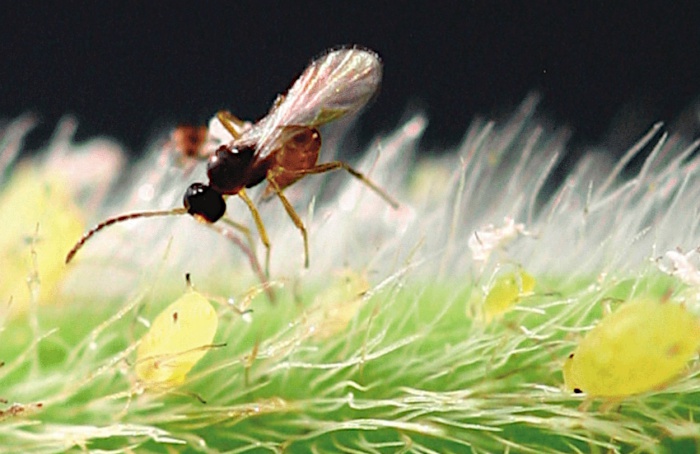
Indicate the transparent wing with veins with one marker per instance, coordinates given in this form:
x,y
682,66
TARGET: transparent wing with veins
x,y
337,84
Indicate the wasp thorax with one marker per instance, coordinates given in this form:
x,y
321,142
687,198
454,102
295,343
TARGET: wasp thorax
x,y
203,202
228,168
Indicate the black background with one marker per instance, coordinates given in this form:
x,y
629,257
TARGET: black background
x,y
129,70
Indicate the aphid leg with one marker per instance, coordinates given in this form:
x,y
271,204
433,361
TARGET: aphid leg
x,y
295,218
233,124
251,257
260,226
334,165
585,405
248,361
610,405
191,394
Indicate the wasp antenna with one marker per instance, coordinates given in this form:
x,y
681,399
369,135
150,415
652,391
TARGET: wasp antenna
x,y
116,219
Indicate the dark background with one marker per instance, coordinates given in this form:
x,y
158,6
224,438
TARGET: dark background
x,y
129,70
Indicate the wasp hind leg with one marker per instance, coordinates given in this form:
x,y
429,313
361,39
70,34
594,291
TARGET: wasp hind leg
x,y
334,165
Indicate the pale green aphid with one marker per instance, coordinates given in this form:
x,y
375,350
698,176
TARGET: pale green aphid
x,y
640,347
178,338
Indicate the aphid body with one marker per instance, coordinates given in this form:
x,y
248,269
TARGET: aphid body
x,y
640,347
505,292
177,340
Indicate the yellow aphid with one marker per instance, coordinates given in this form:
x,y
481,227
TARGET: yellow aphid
x,y
638,348
503,294
37,212
335,307
179,337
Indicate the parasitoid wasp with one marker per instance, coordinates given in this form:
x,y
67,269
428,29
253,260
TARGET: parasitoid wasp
x,y
279,149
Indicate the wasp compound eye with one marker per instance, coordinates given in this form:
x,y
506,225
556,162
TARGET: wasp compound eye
x,y
203,202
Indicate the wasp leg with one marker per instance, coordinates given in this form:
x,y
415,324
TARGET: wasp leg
x,y
251,257
295,218
260,226
233,124
245,231
334,165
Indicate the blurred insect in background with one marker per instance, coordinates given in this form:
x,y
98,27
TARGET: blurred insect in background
x,y
189,140
281,148
640,347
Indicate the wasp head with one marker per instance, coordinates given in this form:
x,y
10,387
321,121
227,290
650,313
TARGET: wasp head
x,y
204,202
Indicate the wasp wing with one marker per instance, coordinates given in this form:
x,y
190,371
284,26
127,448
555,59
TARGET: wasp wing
x,y
337,84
